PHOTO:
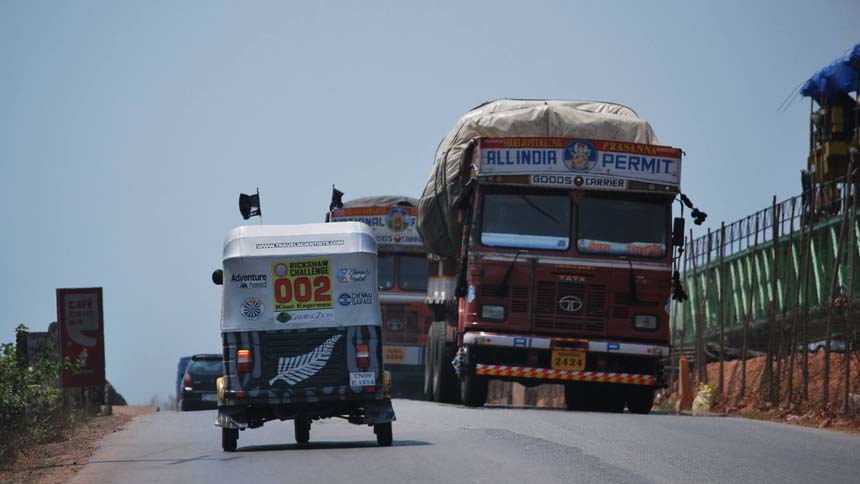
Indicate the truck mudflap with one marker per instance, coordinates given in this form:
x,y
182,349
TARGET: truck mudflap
x,y
564,375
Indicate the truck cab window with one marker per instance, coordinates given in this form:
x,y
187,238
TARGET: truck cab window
x,y
386,272
615,226
526,221
412,274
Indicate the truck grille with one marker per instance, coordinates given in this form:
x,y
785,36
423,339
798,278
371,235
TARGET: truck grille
x,y
519,297
590,318
412,329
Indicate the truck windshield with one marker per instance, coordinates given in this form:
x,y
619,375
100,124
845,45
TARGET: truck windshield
x,y
385,273
526,221
607,225
412,274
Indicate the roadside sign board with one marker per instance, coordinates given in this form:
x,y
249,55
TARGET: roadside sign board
x,y
81,324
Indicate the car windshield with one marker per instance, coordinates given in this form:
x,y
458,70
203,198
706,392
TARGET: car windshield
x,y
385,270
413,273
205,367
526,221
614,226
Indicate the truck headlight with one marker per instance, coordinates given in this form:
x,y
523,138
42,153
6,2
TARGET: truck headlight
x,y
645,321
493,312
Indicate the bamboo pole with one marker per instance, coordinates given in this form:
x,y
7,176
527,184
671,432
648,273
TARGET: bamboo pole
x,y
786,345
721,316
696,316
832,305
773,336
703,368
849,320
804,384
748,318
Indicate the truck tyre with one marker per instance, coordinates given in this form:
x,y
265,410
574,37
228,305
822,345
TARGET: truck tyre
x,y
445,384
229,439
384,435
640,400
574,397
429,353
302,430
610,398
473,389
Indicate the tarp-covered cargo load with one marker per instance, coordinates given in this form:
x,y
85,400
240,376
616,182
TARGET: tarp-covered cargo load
x,y
437,214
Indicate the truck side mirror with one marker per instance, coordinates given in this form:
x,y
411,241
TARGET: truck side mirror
x,y
678,232
218,277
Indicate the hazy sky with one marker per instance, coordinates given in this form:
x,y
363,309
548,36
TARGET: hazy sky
x,y
128,129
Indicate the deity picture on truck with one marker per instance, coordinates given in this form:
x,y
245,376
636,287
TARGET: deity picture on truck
x,y
402,277
550,226
301,331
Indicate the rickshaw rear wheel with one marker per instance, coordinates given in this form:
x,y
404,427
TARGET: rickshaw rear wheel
x,y
302,430
229,439
384,435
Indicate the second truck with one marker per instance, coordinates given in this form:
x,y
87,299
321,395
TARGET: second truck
x,y
549,228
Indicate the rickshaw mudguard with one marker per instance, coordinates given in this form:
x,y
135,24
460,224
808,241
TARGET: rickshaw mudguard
x,y
379,412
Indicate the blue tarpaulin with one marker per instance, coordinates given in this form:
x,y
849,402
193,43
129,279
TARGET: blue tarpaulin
x,y
840,76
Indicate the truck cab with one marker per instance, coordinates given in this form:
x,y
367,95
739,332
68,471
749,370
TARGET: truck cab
x,y
563,270
402,272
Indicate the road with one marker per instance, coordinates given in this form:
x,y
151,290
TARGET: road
x,y
446,443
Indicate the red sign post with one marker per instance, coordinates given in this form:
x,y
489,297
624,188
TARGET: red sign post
x,y
81,324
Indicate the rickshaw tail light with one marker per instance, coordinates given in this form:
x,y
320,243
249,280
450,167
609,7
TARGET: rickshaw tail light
x,y
243,361
362,356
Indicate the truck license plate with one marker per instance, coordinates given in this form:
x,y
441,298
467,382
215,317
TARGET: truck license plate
x,y
362,379
393,354
568,360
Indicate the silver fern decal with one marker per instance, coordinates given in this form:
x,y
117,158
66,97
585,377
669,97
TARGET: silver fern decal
x,y
294,369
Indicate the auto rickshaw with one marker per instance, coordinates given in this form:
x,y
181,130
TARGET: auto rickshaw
x,y
301,341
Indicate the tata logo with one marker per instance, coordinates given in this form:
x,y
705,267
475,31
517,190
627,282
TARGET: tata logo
x,y
570,304
395,324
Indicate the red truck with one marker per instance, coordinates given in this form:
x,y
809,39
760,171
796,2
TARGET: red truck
x,y
551,247
402,275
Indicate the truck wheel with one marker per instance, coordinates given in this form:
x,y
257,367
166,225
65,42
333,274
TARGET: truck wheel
x,y
229,439
473,389
302,430
574,397
640,400
605,397
384,435
445,384
429,352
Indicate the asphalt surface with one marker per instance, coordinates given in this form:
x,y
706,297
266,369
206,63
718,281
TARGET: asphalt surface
x,y
446,443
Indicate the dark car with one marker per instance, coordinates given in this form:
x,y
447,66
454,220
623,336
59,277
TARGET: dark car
x,y
198,384
180,373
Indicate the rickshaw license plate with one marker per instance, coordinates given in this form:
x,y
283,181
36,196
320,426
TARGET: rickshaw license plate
x,y
568,360
362,379
393,354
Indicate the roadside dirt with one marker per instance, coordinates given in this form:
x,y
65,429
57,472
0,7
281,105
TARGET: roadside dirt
x,y
810,412
56,462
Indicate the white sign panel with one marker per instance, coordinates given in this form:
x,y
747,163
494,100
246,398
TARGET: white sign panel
x,y
596,162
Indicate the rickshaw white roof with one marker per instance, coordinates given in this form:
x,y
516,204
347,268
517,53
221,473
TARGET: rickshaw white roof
x,y
299,240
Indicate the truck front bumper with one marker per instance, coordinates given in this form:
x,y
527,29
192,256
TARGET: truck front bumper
x,y
528,358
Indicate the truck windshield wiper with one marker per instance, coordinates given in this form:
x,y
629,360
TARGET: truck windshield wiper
x,y
502,290
539,210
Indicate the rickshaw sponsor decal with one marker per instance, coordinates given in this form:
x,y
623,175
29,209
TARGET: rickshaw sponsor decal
x,y
312,316
250,281
348,275
252,308
355,298
293,369
302,285
300,244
